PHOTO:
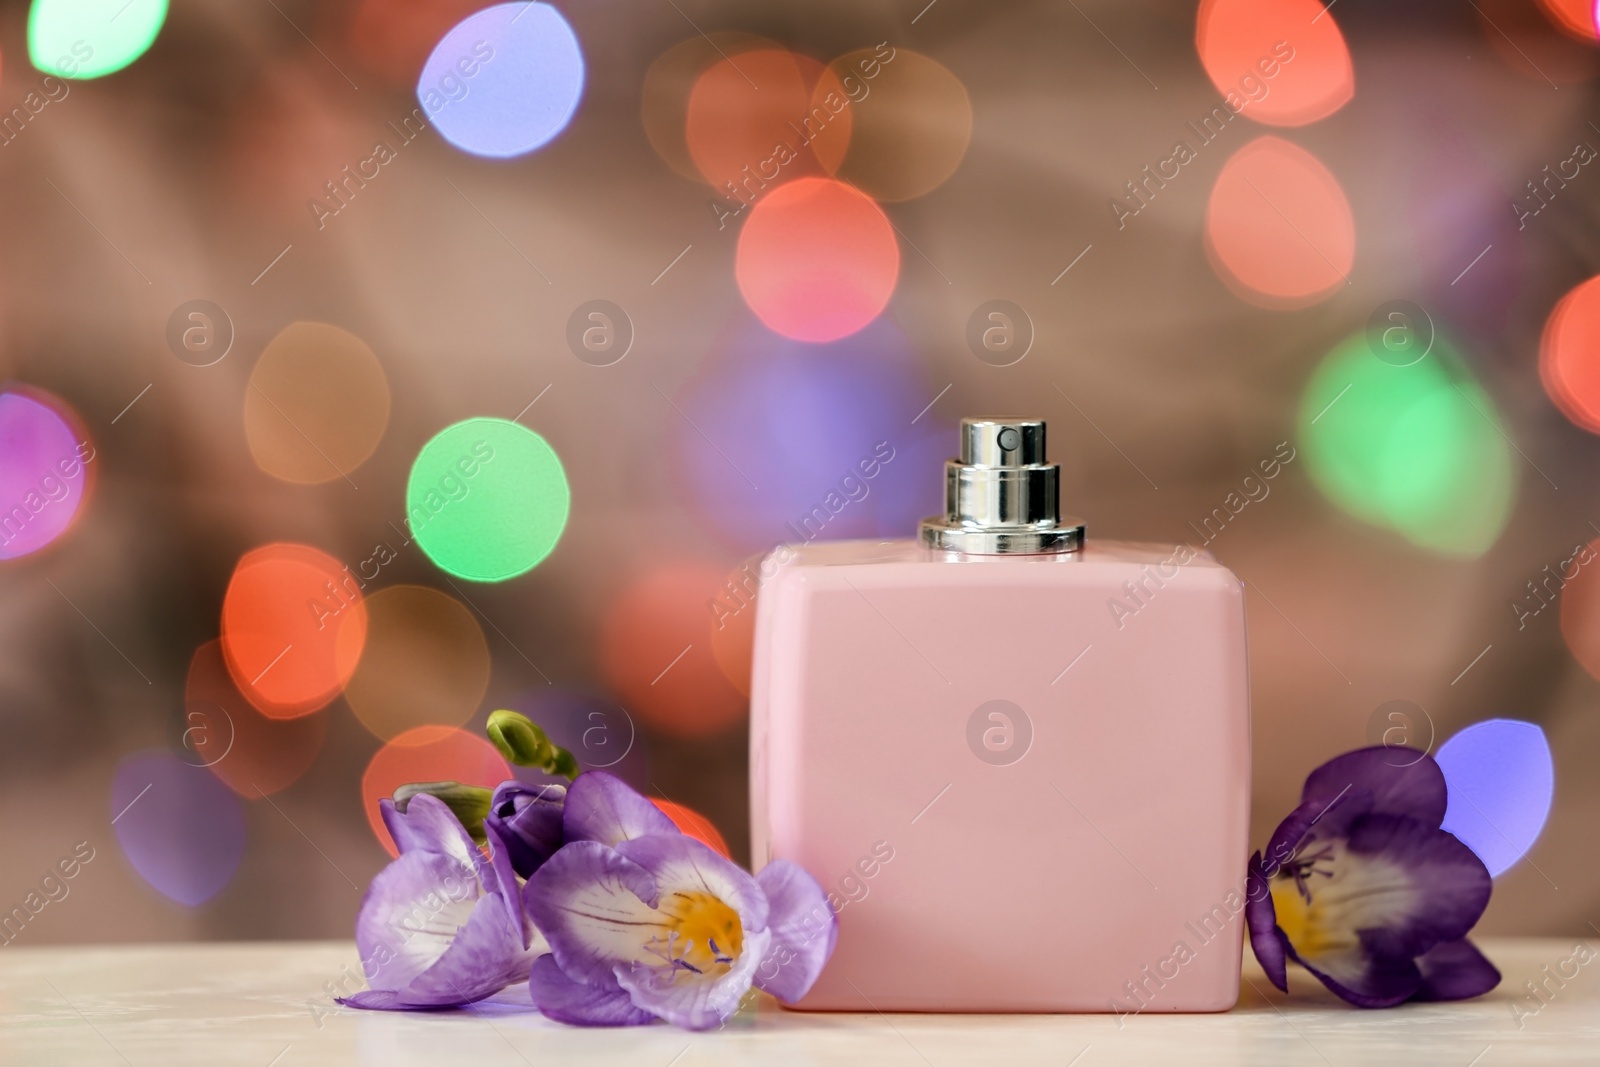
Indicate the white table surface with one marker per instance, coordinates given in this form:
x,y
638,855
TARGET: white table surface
x,y
264,1005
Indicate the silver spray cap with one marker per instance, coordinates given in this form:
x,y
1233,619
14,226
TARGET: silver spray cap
x,y
1001,496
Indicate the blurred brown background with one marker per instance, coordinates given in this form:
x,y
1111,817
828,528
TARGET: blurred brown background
x,y
181,177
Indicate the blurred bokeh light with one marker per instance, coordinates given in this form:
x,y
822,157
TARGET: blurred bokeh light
x,y
1280,62
179,827
1569,355
254,754
1576,17
46,470
787,442
1501,779
664,101
425,661
487,499
317,405
91,38
749,123
1577,583
504,81
818,260
1278,227
693,824
910,121
293,626
655,649
1413,448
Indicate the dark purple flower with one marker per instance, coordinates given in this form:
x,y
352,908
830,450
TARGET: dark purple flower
x,y
524,822
645,923
1362,888
438,927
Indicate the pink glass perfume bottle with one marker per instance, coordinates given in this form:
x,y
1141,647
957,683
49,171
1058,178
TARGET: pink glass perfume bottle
x,y
1018,760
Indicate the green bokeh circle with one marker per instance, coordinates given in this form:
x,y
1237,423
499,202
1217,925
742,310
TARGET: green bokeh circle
x,y
91,38
487,499
1414,448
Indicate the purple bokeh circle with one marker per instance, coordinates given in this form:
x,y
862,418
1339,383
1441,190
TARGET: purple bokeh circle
x,y
1501,780
44,471
504,81
179,826
781,441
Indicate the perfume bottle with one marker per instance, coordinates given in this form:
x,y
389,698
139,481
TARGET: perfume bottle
x,y
1017,759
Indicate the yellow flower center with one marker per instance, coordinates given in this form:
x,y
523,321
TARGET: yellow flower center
x,y
709,933
1306,922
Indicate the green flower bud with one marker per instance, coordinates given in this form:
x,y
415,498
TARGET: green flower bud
x,y
469,803
520,741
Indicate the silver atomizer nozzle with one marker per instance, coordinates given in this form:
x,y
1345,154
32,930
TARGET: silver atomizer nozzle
x,y
1001,496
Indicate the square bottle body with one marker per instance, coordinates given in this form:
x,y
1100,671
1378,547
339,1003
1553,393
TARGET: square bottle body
x,y
1023,780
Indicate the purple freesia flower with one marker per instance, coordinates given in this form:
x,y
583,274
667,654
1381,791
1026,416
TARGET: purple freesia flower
x,y
646,923
524,823
439,927
1362,888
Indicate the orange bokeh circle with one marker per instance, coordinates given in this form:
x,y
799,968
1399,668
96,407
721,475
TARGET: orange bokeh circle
x,y
1280,62
293,627
750,122
910,123
694,825
664,100
656,652
1573,17
254,754
1536,42
817,260
1279,230
1569,355
428,754
1580,607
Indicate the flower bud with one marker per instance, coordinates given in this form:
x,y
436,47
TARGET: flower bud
x,y
518,739
468,803
526,822
523,743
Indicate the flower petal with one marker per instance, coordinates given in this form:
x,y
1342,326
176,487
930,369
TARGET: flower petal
x,y
600,807
410,915
566,1001
506,881
428,825
695,1001
1450,886
485,957
1455,970
381,1000
595,907
804,929
1400,781
1266,940
1365,980
1384,780
681,865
